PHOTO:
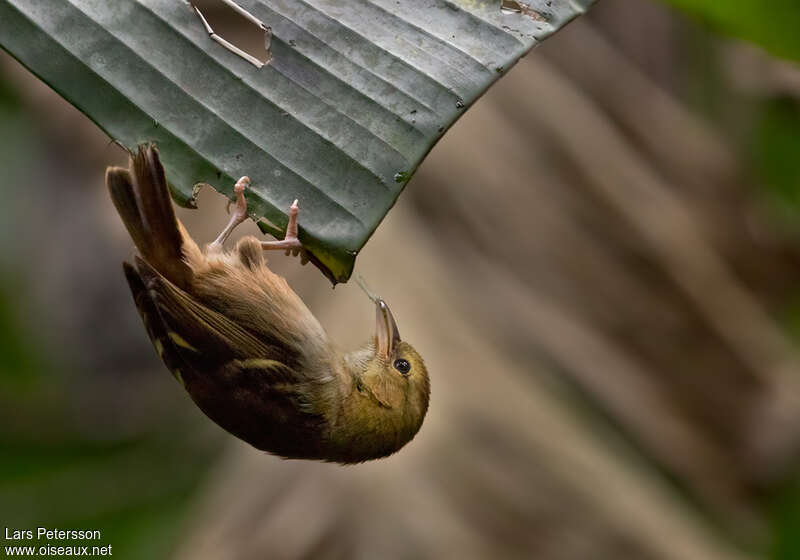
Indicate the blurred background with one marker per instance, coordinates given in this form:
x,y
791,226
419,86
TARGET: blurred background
x,y
600,263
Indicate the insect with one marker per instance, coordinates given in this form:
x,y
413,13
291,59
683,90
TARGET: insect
x,y
247,349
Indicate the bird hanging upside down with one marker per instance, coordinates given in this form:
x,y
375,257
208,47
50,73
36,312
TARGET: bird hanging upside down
x,y
245,346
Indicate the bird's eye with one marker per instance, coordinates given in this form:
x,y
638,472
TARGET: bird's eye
x,y
402,366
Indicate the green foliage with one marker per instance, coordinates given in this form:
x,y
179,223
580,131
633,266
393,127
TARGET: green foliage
x,y
786,523
777,151
774,24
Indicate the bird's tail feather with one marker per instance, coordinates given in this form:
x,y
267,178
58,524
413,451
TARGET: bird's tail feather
x,y
142,199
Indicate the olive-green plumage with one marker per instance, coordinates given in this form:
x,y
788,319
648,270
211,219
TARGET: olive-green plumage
x,y
248,350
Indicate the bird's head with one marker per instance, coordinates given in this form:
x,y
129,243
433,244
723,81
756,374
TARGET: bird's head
x,y
391,386
396,374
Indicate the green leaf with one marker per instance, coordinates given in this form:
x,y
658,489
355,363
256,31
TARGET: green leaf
x,y
356,94
773,24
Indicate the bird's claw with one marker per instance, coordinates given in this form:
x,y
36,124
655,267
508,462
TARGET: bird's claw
x,y
237,217
290,244
240,212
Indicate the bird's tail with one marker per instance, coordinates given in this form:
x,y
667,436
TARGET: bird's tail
x,y
142,199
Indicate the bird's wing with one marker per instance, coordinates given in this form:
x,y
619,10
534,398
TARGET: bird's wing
x,y
200,339
245,385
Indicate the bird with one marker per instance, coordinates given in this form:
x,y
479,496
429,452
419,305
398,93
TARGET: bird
x,y
244,345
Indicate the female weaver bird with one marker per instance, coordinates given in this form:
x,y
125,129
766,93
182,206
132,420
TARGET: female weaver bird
x,y
245,346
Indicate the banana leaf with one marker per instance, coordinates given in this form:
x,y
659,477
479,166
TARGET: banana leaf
x,y
355,95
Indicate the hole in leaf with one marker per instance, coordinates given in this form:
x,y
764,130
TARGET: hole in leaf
x,y
510,7
236,29
514,7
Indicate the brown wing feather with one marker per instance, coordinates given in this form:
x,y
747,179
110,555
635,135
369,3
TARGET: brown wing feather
x,y
215,337
153,324
237,380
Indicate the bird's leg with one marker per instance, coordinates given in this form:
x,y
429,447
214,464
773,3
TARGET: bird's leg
x,y
290,243
237,217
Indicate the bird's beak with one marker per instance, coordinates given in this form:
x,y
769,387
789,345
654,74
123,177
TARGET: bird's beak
x,y
387,333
